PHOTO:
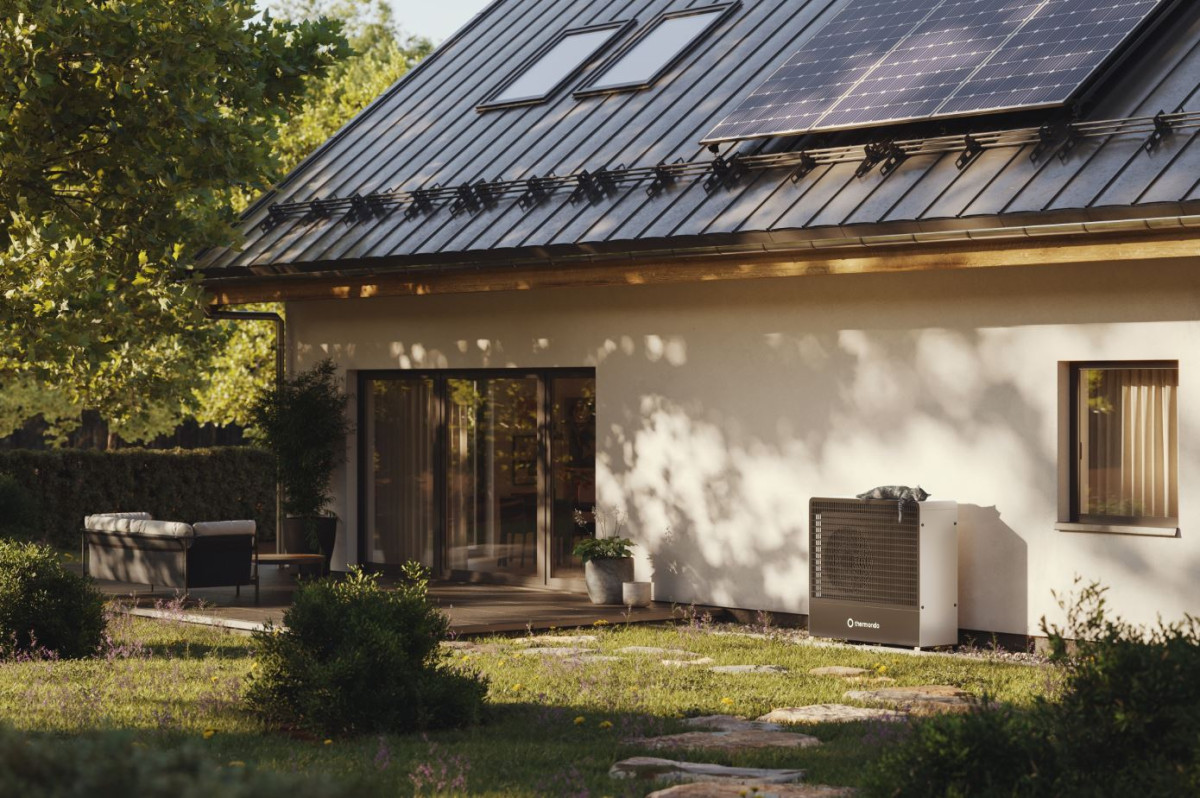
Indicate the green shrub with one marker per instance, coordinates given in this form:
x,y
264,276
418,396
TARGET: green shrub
x,y
181,485
354,658
1127,722
54,767
44,608
983,753
18,511
1129,719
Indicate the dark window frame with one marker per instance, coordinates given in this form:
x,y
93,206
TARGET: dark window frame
x,y
1075,368
590,88
620,29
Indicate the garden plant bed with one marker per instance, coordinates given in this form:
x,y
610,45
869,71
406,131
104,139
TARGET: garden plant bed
x,y
558,722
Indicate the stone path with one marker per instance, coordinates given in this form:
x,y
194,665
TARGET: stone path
x,y
656,651
558,640
743,740
712,789
740,669
684,663
554,651
838,670
830,713
730,723
924,700
671,771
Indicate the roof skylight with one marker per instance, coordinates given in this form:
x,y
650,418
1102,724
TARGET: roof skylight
x,y
655,50
554,65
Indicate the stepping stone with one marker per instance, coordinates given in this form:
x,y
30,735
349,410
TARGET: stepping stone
x,y
655,650
829,713
838,670
925,700
748,669
668,770
588,659
683,663
716,789
467,647
730,723
726,740
553,651
557,640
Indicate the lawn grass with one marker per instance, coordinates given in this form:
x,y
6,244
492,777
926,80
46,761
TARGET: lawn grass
x,y
556,726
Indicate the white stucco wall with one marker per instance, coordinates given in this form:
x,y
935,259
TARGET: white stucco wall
x,y
723,407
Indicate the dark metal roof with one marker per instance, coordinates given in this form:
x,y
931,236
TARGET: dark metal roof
x,y
426,132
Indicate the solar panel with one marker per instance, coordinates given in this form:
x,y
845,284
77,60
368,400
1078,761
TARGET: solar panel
x,y
795,97
881,61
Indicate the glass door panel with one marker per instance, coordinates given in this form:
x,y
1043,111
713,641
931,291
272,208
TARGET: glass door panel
x,y
492,475
572,426
401,435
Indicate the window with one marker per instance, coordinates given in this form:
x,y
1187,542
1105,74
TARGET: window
x,y
655,50
1124,428
554,65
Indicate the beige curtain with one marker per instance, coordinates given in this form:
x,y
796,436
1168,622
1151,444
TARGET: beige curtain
x,y
400,435
1128,443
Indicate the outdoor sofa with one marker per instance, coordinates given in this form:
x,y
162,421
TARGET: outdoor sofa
x,y
133,547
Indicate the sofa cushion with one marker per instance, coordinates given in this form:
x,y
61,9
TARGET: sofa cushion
x,y
211,528
113,522
161,529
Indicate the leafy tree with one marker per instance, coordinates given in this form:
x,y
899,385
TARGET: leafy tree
x,y
124,126
243,367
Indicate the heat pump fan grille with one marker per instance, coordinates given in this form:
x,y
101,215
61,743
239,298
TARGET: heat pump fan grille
x,y
865,552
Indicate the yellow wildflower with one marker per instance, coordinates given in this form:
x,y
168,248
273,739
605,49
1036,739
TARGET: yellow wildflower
x,y
600,622
329,742
606,724
517,687
580,720
208,733
727,701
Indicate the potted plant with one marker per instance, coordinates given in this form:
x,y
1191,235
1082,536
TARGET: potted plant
x,y
607,560
303,423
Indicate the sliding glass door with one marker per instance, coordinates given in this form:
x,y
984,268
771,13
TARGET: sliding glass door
x,y
492,474
479,474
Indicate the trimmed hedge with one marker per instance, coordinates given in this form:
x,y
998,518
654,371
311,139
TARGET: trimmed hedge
x,y
178,485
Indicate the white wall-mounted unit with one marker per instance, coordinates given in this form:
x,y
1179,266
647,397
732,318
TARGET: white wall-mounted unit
x,y
883,571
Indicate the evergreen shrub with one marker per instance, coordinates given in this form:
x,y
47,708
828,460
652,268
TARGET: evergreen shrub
x,y
65,485
355,658
44,608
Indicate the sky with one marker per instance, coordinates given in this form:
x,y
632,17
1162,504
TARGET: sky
x,y
435,20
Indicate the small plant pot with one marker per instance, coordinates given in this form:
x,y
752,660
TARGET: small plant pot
x,y
605,576
635,594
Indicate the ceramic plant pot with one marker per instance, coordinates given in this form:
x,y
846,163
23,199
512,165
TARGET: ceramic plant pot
x,y
605,576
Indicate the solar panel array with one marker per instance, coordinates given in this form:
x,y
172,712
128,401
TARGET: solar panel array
x,y
886,61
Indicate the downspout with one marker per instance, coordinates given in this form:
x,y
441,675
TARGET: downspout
x,y
280,351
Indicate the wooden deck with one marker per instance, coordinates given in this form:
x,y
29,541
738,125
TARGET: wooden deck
x,y
474,609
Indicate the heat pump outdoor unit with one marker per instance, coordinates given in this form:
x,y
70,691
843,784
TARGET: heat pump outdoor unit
x,y
883,571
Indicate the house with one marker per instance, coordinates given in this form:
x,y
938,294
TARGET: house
x,y
701,263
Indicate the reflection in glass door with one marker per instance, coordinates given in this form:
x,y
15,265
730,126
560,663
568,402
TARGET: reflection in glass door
x,y
492,475
479,474
573,469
